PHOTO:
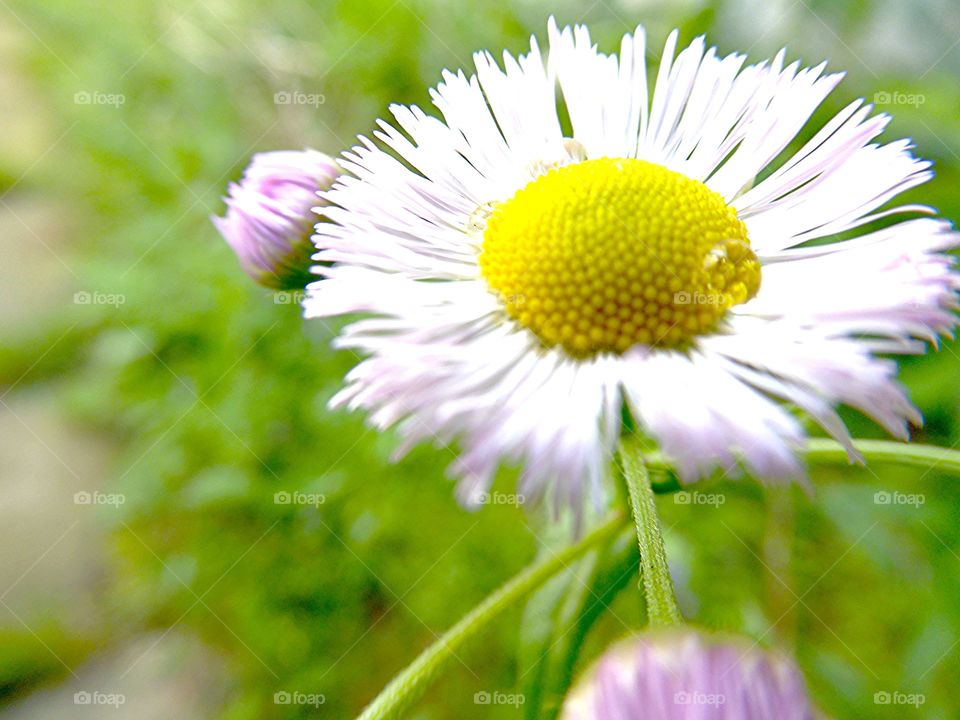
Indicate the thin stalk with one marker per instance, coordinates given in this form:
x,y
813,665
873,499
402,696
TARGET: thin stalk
x,y
821,451
410,684
655,578
886,451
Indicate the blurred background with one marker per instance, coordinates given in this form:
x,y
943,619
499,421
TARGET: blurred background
x,y
154,401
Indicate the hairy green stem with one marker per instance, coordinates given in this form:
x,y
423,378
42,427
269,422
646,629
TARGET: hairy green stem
x,y
821,451
409,685
654,573
885,451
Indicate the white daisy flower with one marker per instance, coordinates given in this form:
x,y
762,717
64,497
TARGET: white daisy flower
x,y
526,283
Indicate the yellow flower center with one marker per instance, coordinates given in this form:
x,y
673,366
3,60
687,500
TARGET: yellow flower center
x,y
606,254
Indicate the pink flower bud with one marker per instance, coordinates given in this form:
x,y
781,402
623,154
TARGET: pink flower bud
x,y
683,675
270,215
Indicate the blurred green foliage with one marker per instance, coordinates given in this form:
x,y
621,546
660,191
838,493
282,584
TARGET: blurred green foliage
x,y
216,393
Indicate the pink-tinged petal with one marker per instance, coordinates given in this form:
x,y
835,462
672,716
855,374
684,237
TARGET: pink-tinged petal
x,y
683,675
705,418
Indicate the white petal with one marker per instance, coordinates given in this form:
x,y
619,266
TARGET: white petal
x,y
606,97
784,101
705,418
892,283
816,372
837,199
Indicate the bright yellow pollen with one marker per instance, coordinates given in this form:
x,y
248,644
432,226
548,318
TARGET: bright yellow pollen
x,y
606,254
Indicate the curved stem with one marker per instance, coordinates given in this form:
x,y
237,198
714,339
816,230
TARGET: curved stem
x,y
886,451
830,452
604,591
406,688
654,573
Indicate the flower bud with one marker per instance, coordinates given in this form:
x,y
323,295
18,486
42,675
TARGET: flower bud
x,y
683,675
270,215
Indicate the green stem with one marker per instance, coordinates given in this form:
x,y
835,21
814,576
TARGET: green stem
x,y
406,688
654,573
885,451
610,581
829,452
